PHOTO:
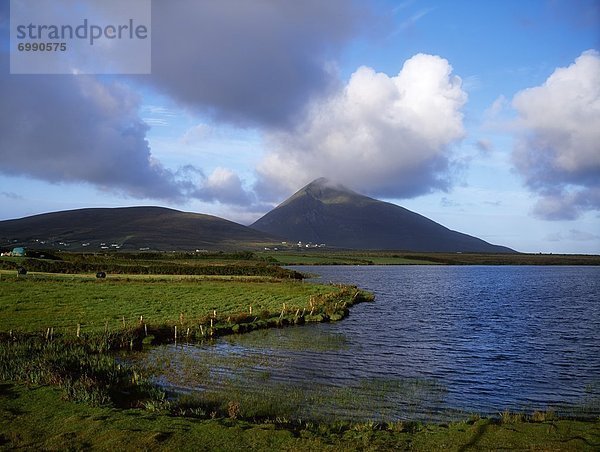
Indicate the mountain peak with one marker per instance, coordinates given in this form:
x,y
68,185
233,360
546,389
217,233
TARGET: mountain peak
x,y
323,183
325,191
320,181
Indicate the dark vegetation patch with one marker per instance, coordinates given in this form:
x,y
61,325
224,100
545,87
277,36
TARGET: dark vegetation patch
x,y
216,264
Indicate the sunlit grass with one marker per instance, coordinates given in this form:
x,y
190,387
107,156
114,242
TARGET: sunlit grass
x,y
38,302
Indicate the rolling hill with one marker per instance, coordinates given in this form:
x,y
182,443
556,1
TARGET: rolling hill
x,y
324,212
129,228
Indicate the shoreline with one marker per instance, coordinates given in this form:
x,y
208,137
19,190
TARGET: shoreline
x,y
37,417
356,257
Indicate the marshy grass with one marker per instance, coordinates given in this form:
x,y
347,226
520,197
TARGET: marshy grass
x,y
543,416
507,417
39,419
213,378
84,372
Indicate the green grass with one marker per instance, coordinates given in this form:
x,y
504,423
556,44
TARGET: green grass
x,y
171,264
37,418
317,257
81,370
38,302
362,257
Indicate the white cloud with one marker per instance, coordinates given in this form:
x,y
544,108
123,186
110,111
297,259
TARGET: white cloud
x,y
224,186
383,135
558,149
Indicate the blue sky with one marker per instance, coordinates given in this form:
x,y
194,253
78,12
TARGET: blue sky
x,y
481,115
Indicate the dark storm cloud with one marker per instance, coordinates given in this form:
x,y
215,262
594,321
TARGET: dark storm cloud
x,y
249,62
65,128
76,129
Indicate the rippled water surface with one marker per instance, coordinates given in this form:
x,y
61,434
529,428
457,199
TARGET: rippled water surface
x,y
438,340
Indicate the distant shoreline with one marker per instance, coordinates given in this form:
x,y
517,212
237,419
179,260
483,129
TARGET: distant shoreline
x,y
319,257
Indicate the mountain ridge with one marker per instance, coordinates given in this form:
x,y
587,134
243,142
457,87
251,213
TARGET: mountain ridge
x,y
132,228
320,212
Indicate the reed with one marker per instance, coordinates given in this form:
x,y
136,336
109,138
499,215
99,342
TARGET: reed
x,y
508,418
543,416
83,371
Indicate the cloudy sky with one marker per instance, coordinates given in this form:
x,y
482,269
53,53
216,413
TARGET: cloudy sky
x,y
481,115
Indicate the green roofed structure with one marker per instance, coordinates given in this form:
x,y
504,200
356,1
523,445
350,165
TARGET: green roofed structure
x,y
18,252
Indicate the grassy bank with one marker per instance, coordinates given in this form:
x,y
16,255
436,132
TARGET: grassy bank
x,y
37,418
84,304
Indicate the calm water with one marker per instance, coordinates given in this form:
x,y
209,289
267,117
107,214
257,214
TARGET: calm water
x,y
438,341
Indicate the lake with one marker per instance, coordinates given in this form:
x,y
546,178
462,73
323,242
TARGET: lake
x,y
438,343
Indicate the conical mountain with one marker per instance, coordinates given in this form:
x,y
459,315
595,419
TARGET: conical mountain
x,y
129,228
326,212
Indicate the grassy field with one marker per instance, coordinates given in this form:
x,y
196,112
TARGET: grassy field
x,y
37,418
191,264
332,257
322,258
40,301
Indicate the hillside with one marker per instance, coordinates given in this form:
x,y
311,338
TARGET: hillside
x,y
324,212
129,228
